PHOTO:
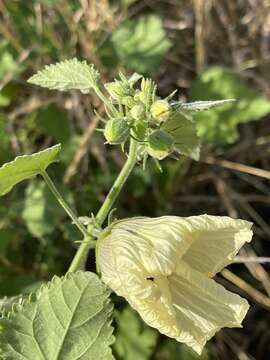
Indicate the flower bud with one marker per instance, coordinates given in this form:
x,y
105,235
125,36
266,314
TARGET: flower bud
x,y
160,110
118,89
116,131
138,111
160,144
129,101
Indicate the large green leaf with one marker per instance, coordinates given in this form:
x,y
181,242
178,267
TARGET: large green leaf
x,y
41,213
70,319
219,125
141,43
184,132
25,167
134,339
67,75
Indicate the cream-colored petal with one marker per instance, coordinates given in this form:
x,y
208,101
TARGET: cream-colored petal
x,y
202,306
141,246
216,241
161,266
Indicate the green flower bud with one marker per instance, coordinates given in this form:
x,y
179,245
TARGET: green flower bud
x,y
138,111
118,89
139,130
116,131
160,144
160,110
129,101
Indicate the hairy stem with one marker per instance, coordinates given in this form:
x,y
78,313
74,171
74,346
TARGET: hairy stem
x,y
107,205
63,203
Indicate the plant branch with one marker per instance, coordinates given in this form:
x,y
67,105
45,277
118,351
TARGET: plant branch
x,y
107,205
63,203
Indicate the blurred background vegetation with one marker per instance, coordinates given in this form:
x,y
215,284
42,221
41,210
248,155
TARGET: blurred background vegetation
x,y
207,49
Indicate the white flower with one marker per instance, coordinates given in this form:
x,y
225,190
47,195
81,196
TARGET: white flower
x,y
163,267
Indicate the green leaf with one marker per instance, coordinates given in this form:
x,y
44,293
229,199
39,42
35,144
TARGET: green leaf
x,y
7,236
134,339
173,350
7,94
67,75
203,105
7,62
4,139
184,132
54,122
220,125
141,43
69,319
25,167
41,213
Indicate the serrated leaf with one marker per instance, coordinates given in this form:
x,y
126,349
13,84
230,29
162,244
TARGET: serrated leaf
x,y
70,319
204,105
141,43
67,75
220,125
134,339
183,130
25,167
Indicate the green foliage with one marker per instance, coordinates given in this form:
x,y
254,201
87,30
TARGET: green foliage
x,y
172,350
68,318
54,122
67,75
220,125
6,236
41,213
4,142
134,339
141,43
203,105
184,132
25,167
8,64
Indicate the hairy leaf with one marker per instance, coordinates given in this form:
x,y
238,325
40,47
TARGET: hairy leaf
x,y
25,167
67,75
69,319
184,132
141,43
204,105
220,124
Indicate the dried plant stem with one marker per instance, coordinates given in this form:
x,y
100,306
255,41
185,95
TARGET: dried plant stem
x,y
250,290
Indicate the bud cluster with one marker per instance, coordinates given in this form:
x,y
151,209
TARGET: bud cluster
x,y
140,114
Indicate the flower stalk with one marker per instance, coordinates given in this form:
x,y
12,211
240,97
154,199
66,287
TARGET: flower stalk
x,y
103,212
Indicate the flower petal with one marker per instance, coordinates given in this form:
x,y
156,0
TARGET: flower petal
x,y
217,239
146,246
202,306
161,266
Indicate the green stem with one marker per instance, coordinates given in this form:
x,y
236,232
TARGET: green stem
x,y
63,203
107,205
